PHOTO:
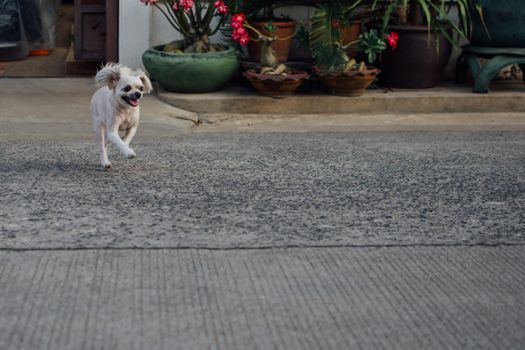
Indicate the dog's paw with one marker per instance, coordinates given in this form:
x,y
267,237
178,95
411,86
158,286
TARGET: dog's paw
x,y
130,154
106,165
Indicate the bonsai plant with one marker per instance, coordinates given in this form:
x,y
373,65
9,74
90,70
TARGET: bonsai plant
x,y
426,34
272,76
335,70
193,64
261,16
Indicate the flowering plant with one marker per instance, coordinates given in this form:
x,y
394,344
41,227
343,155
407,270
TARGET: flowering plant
x,y
269,62
193,19
325,39
432,13
371,43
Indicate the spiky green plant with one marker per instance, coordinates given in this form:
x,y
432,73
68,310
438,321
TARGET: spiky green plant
x,y
432,13
324,37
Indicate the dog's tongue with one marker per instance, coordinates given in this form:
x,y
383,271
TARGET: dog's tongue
x,y
133,102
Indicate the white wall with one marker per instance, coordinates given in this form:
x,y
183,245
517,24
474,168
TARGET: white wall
x,y
161,31
134,32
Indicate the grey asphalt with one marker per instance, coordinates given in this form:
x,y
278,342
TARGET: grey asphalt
x,y
316,240
234,190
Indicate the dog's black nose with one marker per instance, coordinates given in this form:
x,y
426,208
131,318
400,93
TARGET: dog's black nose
x,y
138,95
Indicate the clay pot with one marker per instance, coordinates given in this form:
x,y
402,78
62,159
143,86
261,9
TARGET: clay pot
x,y
285,29
353,83
349,34
415,63
276,85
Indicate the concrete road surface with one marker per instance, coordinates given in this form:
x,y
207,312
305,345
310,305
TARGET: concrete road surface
x,y
254,240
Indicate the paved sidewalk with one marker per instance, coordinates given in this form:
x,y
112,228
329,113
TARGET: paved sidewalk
x,y
58,108
336,298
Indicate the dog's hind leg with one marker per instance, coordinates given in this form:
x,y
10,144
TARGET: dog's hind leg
x,y
102,144
130,133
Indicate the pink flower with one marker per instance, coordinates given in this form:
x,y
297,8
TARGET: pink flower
x,y
221,7
236,25
185,4
392,39
238,19
337,24
239,32
244,40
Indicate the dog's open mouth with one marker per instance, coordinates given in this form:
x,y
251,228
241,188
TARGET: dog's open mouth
x,y
131,101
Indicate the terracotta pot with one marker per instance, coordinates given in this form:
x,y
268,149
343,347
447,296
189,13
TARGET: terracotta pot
x,y
353,83
276,85
349,34
415,63
285,29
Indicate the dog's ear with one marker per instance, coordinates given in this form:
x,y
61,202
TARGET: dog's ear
x,y
145,80
109,75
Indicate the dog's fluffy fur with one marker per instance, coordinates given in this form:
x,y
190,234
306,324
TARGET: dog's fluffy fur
x,y
115,107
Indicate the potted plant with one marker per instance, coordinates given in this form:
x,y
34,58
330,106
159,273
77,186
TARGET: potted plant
x,y
261,16
426,35
335,70
272,77
193,64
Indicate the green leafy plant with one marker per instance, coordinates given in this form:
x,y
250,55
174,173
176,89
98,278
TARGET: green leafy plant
x,y
325,41
432,13
325,37
371,43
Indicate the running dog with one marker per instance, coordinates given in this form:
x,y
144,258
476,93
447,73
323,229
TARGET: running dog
x,y
115,107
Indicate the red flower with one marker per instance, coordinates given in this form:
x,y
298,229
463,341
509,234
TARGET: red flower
x,y
221,7
336,24
392,39
185,4
239,32
238,19
244,40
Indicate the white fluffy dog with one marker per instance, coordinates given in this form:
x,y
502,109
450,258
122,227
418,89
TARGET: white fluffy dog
x,y
115,107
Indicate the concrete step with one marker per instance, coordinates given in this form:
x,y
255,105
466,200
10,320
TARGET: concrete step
x,y
506,97
216,122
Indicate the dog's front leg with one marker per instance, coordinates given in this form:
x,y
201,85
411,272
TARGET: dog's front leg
x,y
101,140
130,133
115,139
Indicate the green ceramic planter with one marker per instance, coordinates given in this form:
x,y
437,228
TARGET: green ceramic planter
x,y
504,20
191,73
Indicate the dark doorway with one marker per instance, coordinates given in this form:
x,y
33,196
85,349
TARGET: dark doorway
x,y
75,23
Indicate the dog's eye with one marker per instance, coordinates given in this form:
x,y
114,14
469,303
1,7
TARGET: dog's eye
x,y
141,88
127,88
